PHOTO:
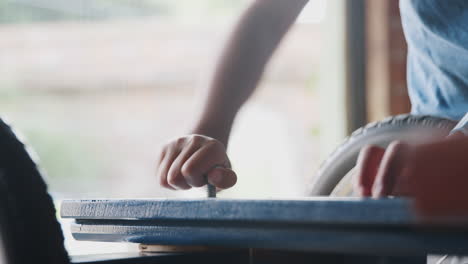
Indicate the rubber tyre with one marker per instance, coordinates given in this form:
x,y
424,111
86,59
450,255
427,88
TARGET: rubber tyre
x,y
29,229
343,159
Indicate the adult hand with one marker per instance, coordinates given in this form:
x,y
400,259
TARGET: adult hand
x,y
383,172
435,174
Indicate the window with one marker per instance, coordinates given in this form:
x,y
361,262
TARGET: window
x,y
97,85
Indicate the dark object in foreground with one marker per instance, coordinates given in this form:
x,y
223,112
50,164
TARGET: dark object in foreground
x,y
347,226
28,228
243,256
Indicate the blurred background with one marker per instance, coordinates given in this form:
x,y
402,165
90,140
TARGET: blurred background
x,y
97,86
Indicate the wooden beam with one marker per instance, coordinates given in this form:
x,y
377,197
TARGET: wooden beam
x,y
356,112
386,60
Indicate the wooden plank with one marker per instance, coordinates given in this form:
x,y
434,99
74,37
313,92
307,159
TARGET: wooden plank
x,y
350,226
316,211
179,249
349,239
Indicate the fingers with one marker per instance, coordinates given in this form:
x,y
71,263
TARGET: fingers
x,y
382,172
368,163
187,162
168,156
175,178
203,161
390,171
222,178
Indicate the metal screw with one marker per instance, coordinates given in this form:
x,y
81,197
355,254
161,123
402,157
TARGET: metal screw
x,y
211,191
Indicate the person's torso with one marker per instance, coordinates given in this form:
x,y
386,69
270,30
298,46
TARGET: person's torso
x,y
437,36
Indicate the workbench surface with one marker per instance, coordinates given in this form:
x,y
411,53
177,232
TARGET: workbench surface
x,y
356,226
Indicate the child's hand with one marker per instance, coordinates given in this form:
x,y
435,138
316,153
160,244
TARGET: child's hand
x,y
435,174
193,160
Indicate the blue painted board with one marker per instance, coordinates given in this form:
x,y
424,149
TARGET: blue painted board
x,y
356,226
308,211
349,240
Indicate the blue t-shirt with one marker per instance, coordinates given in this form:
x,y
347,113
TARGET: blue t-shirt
x,y
437,36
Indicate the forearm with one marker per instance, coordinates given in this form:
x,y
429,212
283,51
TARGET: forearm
x,y
256,37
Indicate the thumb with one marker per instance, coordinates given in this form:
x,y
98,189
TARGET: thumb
x,y
222,178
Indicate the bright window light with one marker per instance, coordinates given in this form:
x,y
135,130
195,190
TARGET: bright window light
x,y
314,12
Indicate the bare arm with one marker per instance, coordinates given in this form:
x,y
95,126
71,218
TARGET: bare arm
x,y
256,37
192,160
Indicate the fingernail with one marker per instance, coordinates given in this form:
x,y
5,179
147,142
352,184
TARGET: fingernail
x,y
215,178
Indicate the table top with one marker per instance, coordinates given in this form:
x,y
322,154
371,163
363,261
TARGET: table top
x,y
362,226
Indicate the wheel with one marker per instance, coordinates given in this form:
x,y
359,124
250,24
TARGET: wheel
x,y
334,177
29,229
